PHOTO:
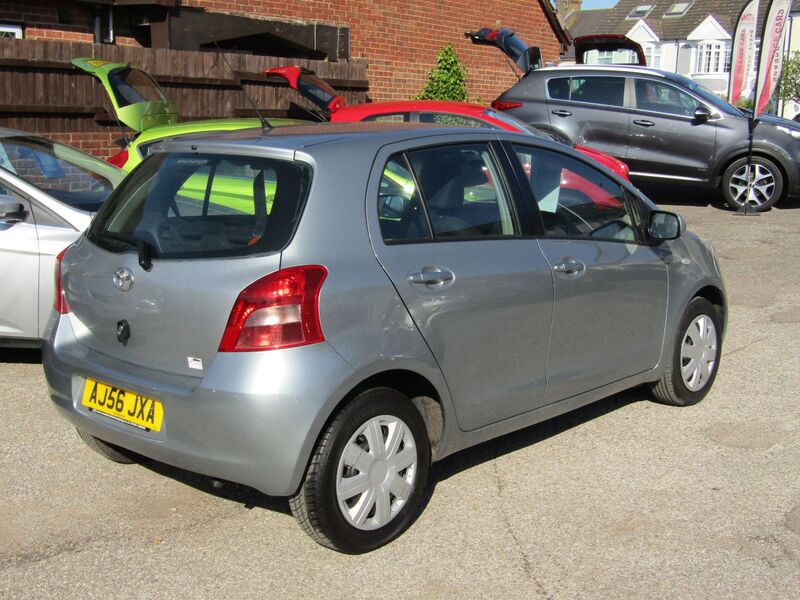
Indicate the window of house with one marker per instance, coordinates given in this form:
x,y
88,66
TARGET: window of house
x,y
640,12
9,30
652,52
678,9
712,57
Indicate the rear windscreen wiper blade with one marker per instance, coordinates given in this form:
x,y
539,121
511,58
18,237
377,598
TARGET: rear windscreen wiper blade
x,y
145,249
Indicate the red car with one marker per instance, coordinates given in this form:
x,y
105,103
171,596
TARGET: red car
x,y
460,114
457,114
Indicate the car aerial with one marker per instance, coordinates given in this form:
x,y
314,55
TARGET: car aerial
x,y
139,103
48,192
456,114
329,345
666,127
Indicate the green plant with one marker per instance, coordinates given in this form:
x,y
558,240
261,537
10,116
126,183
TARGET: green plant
x,y
789,83
448,81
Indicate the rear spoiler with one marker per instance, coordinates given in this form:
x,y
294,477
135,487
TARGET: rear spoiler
x,y
527,58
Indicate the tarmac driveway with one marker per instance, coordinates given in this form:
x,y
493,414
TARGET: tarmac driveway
x,y
625,498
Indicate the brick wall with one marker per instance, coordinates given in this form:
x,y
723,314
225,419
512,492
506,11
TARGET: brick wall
x,y
401,40
55,20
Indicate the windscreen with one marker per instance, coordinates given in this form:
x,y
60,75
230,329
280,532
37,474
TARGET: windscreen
x,y
70,176
205,205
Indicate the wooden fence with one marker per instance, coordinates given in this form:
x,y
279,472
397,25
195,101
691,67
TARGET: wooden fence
x,y
41,92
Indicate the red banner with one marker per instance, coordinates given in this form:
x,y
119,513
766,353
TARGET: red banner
x,y
771,55
744,49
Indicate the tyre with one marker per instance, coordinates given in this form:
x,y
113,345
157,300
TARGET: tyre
x,y
691,366
366,479
760,187
114,453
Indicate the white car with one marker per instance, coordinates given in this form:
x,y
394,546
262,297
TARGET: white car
x,y
48,193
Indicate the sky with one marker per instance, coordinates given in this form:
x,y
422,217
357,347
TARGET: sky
x,y
589,4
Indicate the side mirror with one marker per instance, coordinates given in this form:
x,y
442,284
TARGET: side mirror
x,y
702,114
10,208
665,226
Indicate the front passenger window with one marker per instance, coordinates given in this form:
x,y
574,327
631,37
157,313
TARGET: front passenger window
x,y
660,97
575,200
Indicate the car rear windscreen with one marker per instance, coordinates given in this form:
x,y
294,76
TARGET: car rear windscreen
x,y
202,205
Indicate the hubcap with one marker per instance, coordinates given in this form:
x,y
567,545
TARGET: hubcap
x,y
753,185
376,472
699,353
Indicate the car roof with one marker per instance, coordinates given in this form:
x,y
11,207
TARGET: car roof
x,y
403,106
629,69
7,132
296,137
209,125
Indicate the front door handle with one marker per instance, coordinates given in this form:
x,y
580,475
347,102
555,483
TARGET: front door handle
x,y
643,123
569,267
431,277
562,113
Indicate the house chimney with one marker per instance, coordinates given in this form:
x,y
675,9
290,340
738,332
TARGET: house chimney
x,y
564,7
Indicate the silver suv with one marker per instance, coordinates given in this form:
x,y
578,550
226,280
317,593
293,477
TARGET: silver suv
x,y
319,312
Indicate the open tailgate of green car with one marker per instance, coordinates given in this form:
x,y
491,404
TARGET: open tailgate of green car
x,y
137,99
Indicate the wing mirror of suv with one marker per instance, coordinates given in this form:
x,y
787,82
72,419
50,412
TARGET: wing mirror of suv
x,y
11,210
665,225
702,114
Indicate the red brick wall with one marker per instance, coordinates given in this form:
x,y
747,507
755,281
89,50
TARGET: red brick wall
x,y
401,40
41,21
97,143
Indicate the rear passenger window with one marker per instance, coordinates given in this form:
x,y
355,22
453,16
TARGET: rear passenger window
x,y
444,192
196,205
451,120
463,191
609,91
400,210
574,199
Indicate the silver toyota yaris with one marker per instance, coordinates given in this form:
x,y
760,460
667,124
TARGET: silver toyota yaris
x,y
319,312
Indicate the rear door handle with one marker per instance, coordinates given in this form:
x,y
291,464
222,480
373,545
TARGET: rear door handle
x,y
643,123
569,267
562,113
431,277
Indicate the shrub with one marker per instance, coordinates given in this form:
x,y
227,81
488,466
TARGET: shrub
x,y
448,81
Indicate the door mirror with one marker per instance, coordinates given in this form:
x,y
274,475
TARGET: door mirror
x,y
702,114
665,225
10,208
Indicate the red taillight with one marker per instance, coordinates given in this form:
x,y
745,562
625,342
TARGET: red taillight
x,y
502,105
280,310
119,159
60,303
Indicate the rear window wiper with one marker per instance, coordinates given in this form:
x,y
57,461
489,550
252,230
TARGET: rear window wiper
x,y
145,249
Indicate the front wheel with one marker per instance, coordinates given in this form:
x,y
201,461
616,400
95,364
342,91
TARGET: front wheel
x,y
367,477
758,185
691,366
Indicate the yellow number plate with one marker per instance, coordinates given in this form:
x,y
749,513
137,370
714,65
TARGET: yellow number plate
x,y
130,407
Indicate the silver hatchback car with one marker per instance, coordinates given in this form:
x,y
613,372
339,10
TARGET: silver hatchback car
x,y
319,312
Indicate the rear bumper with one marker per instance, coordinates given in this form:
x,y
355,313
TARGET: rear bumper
x,y
253,418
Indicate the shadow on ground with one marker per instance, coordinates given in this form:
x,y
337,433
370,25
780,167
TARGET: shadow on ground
x,y
20,355
440,471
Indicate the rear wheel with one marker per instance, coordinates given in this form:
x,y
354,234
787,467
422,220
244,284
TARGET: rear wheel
x,y
111,452
366,479
691,367
758,185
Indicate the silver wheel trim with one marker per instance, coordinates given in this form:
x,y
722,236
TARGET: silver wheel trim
x,y
756,192
698,353
376,472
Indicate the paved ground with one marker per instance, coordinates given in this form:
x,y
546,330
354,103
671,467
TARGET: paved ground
x,y
622,499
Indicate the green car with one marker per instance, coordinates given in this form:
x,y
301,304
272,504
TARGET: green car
x,y
140,103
